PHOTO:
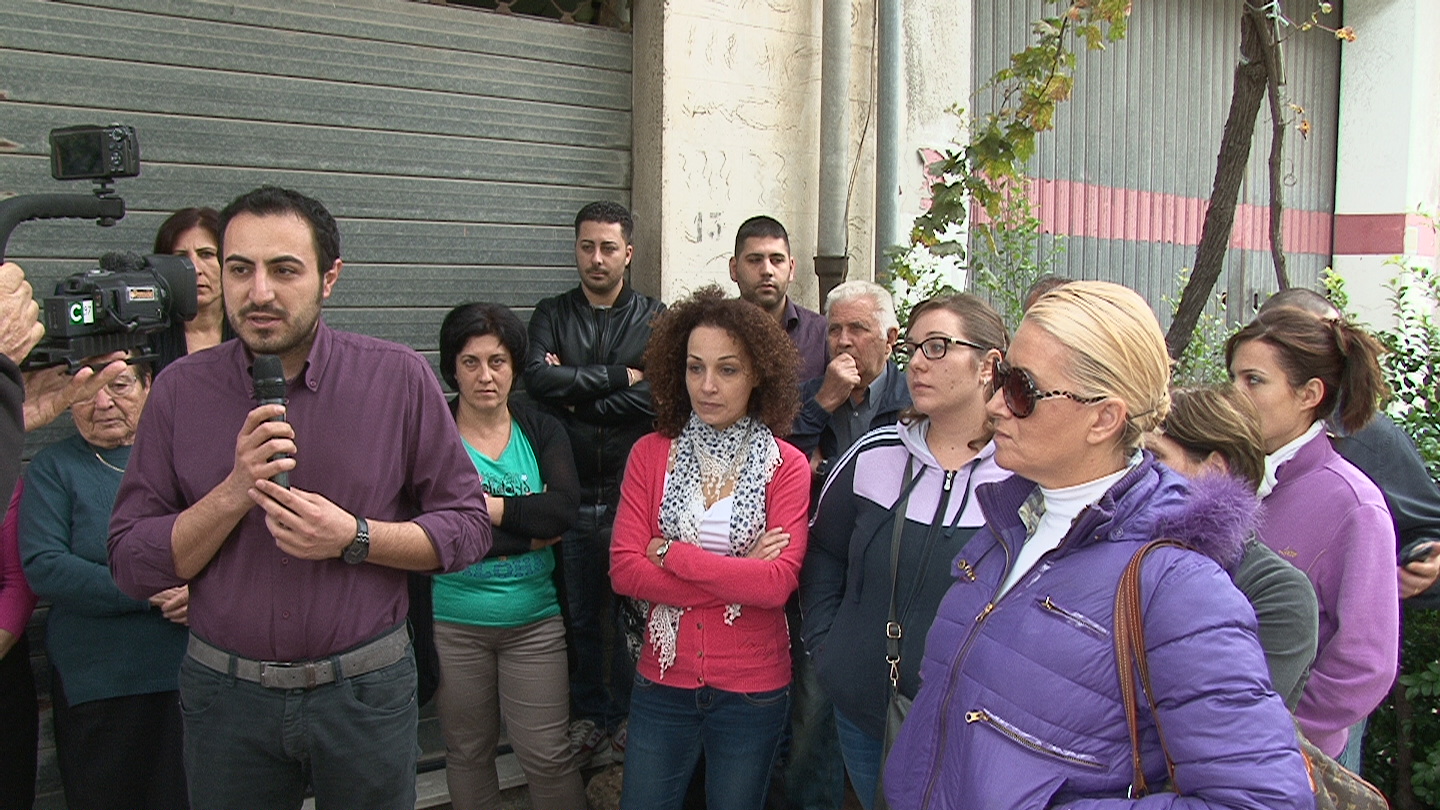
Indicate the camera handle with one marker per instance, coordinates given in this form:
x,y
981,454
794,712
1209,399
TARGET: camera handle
x,y
102,207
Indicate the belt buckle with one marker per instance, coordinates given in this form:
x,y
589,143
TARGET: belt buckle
x,y
272,671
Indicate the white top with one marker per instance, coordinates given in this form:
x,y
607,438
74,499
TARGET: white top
x,y
1061,507
1284,454
715,526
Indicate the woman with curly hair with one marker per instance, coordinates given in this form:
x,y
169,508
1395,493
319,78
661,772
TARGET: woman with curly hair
x,y
710,534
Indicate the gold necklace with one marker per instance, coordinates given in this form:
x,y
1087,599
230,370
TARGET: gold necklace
x,y
717,474
102,460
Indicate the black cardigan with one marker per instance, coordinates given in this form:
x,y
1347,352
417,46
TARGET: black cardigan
x,y
544,514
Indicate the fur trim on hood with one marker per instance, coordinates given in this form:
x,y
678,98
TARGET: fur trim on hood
x,y
1221,513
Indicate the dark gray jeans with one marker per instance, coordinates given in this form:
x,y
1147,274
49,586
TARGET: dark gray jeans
x,y
248,747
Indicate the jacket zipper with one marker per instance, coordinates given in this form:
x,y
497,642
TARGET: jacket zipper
x,y
601,322
1030,741
951,681
955,669
1084,622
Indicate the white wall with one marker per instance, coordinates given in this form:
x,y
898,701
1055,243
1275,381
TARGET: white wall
x,y
727,110
1387,163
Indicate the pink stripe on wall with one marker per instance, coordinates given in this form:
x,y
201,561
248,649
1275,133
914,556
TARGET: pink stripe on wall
x,y
1072,208
1382,234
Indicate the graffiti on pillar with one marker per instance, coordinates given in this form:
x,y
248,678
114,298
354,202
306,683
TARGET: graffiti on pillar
x,y
707,225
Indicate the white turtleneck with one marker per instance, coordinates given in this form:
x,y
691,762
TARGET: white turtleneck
x,y
1060,508
1284,454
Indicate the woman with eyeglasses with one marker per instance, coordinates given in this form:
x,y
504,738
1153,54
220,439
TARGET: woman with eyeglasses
x,y
1021,705
1322,513
931,461
115,660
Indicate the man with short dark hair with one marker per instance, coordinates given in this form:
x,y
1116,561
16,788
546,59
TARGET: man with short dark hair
x,y
763,269
587,349
299,668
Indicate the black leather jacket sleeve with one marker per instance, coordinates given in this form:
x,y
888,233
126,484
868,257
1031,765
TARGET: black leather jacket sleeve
x,y
592,381
12,427
564,385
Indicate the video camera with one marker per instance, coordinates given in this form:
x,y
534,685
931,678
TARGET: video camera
x,y
118,305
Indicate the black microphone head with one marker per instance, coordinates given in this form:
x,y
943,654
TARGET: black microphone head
x,y
269,378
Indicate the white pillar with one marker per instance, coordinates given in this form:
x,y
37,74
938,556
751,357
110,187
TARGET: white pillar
x,y
1387,167
727,126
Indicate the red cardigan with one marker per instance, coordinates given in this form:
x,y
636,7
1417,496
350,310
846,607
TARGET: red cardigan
x,y
753,654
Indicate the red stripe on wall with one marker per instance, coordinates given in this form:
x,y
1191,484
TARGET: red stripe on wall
x,y
1072,208
1382,235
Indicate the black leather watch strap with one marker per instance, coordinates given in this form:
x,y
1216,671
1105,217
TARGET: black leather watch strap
x,y
359,548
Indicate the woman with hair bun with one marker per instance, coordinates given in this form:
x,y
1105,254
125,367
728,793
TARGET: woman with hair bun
x,y
1321,513
1020,705
710,534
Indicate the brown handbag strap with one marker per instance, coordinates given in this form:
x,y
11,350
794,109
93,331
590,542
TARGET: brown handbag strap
x,y
1130,661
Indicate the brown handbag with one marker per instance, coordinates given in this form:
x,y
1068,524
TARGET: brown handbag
x,y
1335,787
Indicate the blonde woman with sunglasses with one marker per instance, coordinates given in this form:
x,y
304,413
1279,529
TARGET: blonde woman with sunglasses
x,y
1020,704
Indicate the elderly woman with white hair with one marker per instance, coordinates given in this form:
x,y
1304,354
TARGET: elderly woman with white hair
x,y
1020,704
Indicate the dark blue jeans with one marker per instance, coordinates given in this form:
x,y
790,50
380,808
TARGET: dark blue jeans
x,y
248,746
815,773
669,728
592,611
864,757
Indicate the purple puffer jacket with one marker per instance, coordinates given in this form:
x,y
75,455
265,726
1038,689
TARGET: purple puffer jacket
x,y
1019,705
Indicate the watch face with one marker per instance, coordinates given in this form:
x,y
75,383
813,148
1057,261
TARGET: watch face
x,y
357,551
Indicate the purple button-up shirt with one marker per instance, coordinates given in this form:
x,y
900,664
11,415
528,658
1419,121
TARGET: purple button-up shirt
x,y
374,435
806,329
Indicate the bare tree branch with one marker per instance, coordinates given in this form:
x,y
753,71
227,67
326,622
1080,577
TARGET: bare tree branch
x,y
1250,83
1274,76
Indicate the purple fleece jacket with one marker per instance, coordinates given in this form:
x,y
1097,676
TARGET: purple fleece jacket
x,y
1019,706
1330,521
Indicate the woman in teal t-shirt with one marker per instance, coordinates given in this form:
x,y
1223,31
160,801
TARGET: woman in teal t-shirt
x,y
498,631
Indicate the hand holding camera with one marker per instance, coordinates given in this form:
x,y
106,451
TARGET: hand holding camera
x,y
20,328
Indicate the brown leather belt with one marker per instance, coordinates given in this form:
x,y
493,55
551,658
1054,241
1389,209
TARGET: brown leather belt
x,y
377,654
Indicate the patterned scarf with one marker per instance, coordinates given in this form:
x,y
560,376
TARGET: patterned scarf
x,y
704,461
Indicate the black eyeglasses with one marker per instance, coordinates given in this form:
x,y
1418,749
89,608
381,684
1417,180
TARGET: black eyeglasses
x,y
933,348
1021,393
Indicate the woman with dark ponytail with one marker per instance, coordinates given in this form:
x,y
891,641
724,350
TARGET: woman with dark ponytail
x,y
1321,513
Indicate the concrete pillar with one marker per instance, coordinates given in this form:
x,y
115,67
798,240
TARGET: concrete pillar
x,y
727,126
1387,167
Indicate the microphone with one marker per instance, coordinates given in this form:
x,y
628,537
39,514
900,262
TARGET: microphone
x,y
270,390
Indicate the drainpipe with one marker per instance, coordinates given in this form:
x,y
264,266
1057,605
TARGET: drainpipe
x,y
831,261
889,106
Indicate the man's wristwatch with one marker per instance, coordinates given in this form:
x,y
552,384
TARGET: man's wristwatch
x,y
359,548
661,551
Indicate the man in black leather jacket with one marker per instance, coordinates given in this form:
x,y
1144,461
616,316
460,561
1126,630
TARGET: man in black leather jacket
x,y
584,365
